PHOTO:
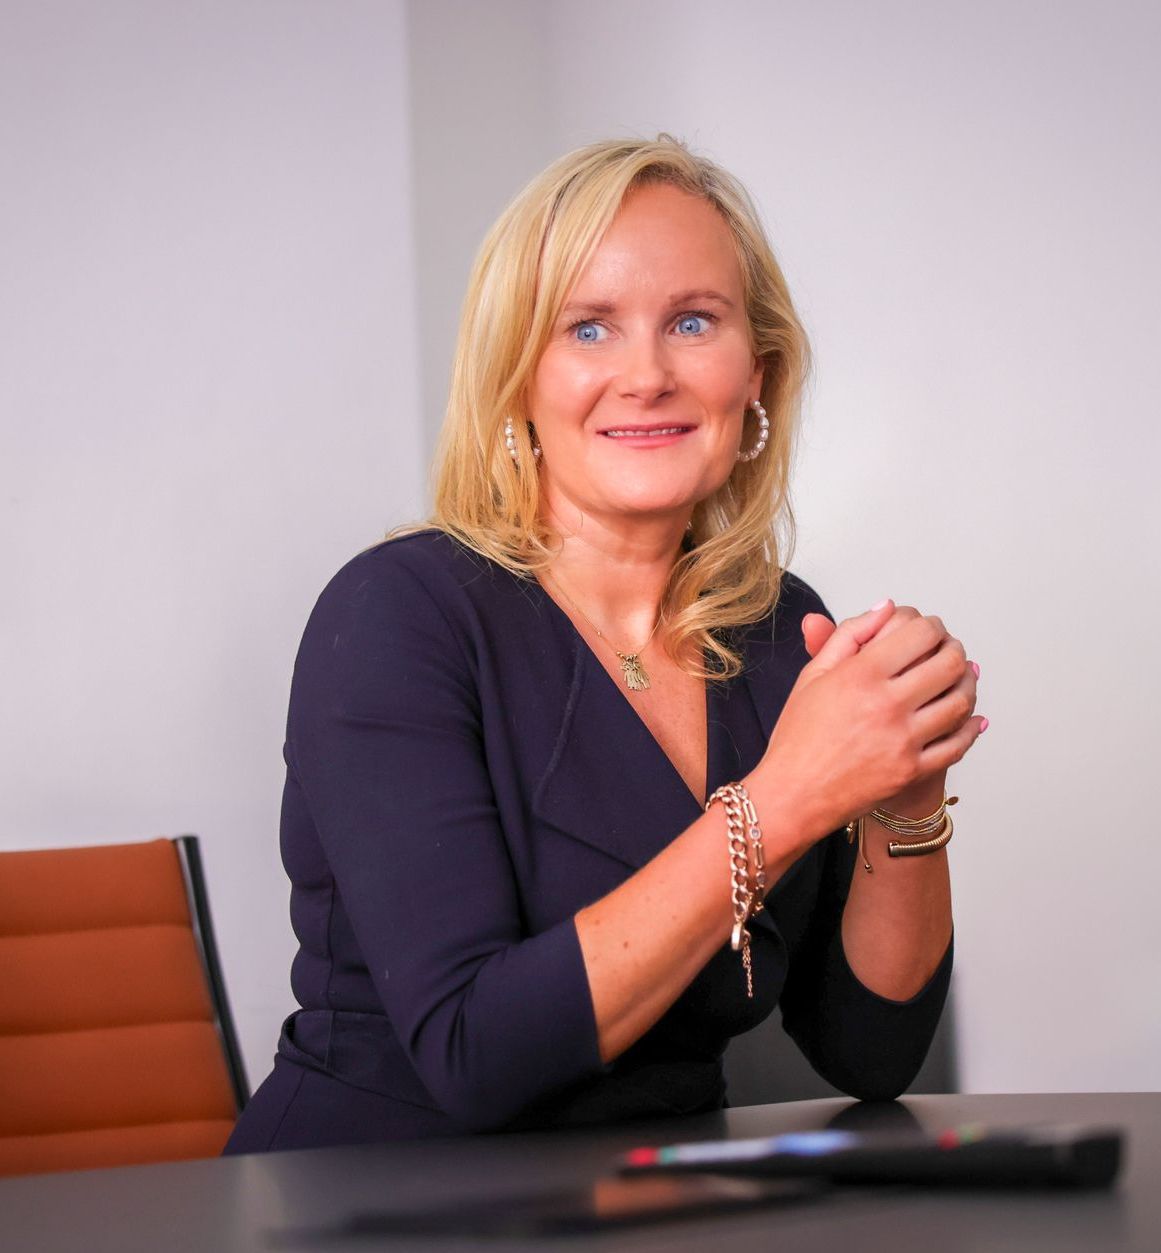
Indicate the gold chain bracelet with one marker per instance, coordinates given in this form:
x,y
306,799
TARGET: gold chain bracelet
x,y
744,836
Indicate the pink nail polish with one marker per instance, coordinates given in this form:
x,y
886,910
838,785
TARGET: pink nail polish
x,y
881,605
976,669
983,726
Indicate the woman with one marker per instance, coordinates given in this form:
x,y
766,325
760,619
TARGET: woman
x,y
513,906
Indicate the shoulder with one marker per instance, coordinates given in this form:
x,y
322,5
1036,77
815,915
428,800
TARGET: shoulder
x,y
428,558
796,598
774,650
423,574
777,637
414,594
394,624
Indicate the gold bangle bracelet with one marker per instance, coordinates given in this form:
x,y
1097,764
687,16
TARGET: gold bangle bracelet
x,y
920,848
917,827
937,825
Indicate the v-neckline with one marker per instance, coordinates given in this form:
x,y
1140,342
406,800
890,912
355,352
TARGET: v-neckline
x,y
591,659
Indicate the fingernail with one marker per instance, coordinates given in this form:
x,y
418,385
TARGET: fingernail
x,y
976,669
881,605
983,725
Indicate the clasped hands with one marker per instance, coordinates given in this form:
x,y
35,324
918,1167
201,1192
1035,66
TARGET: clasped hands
x,y
885,706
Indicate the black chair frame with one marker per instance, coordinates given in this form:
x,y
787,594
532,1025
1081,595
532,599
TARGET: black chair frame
x,y
189,855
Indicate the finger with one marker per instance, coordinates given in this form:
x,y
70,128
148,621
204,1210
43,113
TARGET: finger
x,y
931,676
914,613
851,634
902,615
911,642
817,628
948,711
945,752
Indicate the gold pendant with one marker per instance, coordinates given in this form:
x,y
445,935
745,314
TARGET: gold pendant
x,y
636,680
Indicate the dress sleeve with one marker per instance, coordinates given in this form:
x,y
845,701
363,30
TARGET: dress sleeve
x,y
862,1043
385,738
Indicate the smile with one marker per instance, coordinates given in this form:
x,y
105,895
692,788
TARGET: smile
x,y
640,432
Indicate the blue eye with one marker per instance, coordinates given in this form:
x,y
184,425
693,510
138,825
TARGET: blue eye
x,y
693,324
589,332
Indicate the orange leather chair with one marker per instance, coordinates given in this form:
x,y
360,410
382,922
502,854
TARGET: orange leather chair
x,y
116,1042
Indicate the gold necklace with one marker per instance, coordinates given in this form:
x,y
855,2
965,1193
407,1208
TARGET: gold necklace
x,y
636,679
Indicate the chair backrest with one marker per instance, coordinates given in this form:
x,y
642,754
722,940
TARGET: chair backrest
x,y
115,1044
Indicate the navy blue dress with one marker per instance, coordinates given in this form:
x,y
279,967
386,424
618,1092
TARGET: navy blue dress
x,y
463,776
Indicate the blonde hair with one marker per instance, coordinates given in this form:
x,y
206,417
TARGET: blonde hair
x,y
742,535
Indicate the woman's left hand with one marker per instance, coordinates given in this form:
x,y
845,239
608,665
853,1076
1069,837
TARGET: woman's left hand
x,y
926,793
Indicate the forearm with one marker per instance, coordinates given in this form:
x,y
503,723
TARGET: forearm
x,y
869,1046
644,943
897,922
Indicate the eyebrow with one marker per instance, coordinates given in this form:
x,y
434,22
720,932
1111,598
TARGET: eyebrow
x,y
693,296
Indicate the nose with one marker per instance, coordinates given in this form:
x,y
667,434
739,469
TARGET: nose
x,y
646,370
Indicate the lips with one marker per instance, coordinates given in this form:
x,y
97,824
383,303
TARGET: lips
x,y
645,432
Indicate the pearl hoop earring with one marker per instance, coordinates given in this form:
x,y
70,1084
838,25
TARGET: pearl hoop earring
x,y
510,441
763,431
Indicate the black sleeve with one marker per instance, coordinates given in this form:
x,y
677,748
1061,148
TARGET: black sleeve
x,y
866,1045
862,1043
385,737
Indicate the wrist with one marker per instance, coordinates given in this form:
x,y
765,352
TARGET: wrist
x,y
917,800
790,823
905,836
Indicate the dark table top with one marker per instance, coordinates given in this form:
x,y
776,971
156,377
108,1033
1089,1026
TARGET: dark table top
x,y
270,1200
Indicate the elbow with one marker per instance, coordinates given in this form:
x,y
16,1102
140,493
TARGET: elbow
x,y
495,1095
871,1070
873,1088
478,1086
862,1071
487,1049
473,1109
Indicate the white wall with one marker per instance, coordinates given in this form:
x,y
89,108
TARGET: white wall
x,y
479,96
965,198
209,398
222,225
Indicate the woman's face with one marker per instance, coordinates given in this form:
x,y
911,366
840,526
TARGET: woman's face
x,y
639,397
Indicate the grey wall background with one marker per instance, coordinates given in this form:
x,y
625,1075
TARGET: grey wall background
x,y
233,241
210,399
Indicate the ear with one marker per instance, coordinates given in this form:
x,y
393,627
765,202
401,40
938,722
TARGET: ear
x,y
757,378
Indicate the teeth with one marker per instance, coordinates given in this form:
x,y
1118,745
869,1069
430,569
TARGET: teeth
x,y
665,430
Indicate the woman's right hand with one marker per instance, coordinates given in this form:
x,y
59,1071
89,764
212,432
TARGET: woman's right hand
x,y
852,731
